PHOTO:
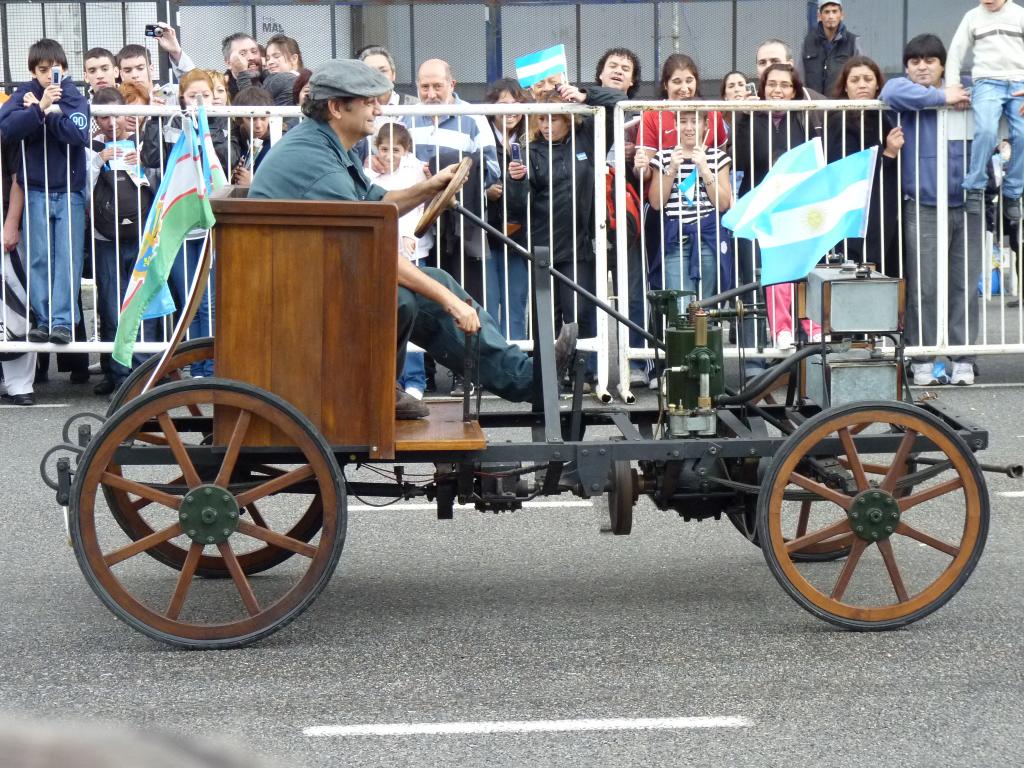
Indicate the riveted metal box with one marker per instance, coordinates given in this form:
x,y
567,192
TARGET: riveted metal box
x,y
845,299
849,377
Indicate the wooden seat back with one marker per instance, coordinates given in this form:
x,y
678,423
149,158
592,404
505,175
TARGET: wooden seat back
x,y
306,305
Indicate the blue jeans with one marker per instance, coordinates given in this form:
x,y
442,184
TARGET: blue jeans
x,y
989,100
185,265
511,315
113,272
504,368
677,257
54,226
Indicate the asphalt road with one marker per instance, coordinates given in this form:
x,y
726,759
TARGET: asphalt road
x,y
534,616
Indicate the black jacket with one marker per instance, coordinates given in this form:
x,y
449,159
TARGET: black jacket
x,y
557,192
152,141
769,144
822,64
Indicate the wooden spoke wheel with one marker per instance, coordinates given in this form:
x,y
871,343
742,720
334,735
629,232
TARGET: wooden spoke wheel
x,y
443,200
622,497
198,510
909,553
128,513
745,521
187,353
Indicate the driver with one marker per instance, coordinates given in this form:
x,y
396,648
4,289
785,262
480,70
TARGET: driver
x,y
315,161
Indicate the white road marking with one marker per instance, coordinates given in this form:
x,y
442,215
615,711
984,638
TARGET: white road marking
x,y
464,507
36,406
1012,494
529,726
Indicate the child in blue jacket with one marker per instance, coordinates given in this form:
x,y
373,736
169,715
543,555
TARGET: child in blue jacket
x,y
50,118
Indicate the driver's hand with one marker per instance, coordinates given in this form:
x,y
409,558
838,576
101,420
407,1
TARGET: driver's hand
x,y
444,176
465,316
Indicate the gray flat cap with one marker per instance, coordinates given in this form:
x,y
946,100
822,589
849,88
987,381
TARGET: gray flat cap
x,y
345,78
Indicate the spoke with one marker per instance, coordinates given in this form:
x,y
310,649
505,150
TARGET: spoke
x,y
188,470
930,493
146,542
899,462
234,446
238,576
905,530
109,478
885,547
256,516
275,485
277,539
851,565
821,489
795,545
188,570
869,468
805,516
856,430
150,438
854,459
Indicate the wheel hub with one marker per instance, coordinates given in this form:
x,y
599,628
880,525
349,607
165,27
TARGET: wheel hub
x,y
208,514
874,515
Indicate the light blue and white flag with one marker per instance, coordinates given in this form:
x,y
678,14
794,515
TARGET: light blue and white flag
x,y
688,188
806,222
789,170
539,66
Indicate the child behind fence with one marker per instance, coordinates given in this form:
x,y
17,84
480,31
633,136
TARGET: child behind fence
x,y
393,143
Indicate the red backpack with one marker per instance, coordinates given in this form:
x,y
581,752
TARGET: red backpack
x,y
633,207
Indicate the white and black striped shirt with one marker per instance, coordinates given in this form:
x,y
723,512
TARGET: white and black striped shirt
x,y
678,207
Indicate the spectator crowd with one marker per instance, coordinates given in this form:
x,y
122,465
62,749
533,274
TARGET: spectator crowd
x,y
77,188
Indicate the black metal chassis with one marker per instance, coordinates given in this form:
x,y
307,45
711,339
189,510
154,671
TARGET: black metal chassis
x,y
579,465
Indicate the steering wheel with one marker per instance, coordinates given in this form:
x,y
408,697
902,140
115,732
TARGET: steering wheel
x,y
444,198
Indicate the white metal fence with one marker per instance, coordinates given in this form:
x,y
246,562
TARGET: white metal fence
x,y
640,260
957,306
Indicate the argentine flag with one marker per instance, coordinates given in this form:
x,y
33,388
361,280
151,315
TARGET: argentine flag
x,y
807,221
789,170
539,66
688,188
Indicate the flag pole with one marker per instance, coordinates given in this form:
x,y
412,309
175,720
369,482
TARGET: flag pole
x,y
195,297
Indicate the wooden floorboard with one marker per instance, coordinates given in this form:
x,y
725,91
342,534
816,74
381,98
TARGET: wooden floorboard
x,y
442,430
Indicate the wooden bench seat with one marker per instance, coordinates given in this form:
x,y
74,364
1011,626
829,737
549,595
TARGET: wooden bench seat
x,y
442,430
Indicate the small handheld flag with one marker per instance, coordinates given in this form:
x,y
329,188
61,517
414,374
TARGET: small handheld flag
x,y
535,67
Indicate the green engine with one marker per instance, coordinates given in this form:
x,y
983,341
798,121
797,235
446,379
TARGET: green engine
x,y
694,370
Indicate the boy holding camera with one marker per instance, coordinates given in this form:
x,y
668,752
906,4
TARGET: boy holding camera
x,y
51,119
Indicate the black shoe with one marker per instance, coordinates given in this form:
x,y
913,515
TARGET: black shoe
x,y
408,407
39,335
431,386
565,348
105,387
61,335
459,386
1013,303
25,399
79,377
1011,209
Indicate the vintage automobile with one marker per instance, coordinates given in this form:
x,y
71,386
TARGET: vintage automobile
x,y
209,513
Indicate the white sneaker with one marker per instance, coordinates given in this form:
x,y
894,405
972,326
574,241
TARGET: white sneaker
x,y
922,374
784,340
963,374
414,392
929,374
